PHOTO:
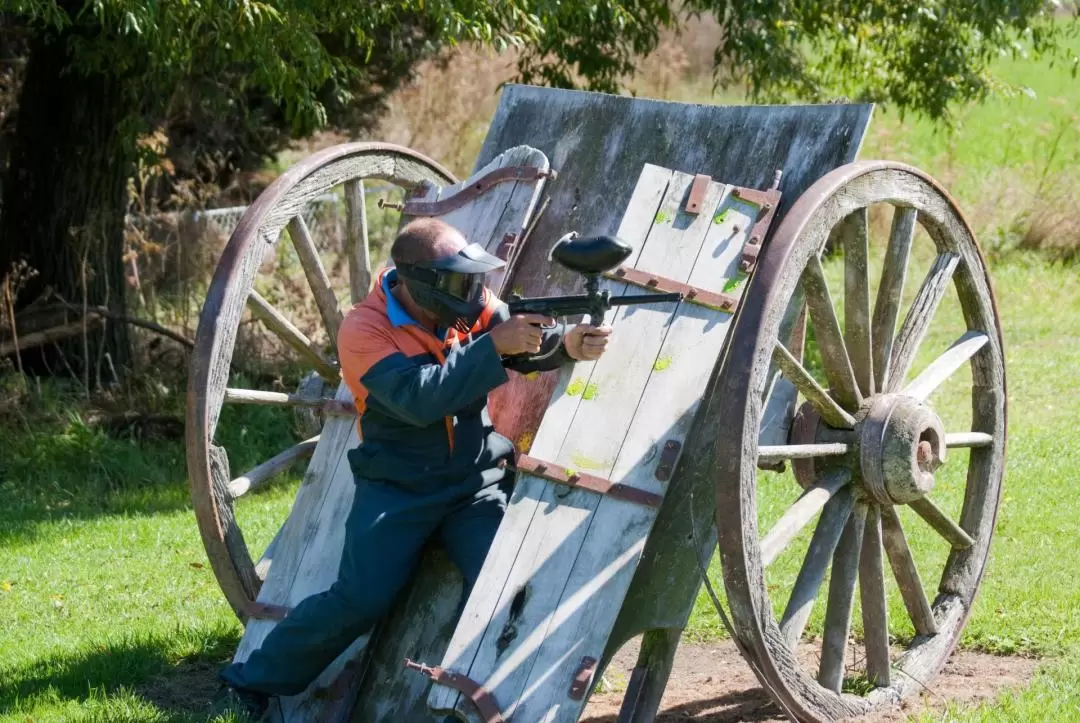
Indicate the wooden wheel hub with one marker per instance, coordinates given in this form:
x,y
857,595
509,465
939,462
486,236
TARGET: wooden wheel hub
x,y
901,444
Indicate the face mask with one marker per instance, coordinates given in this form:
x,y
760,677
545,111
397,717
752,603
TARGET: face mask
x,y
451,288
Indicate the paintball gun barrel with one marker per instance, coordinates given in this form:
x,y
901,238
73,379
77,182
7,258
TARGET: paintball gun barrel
x,y
590,257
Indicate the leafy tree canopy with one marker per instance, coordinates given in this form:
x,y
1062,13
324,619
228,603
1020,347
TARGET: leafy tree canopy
x,y
314,58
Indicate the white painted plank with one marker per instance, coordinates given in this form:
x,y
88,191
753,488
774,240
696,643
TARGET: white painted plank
x,y
592,443
495,589
602,572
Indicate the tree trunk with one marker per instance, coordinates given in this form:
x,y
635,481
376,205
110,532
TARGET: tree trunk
x,y
64,201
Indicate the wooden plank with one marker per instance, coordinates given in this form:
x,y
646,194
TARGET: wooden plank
x,y
693,341
907,575
494,598
573,593
956,535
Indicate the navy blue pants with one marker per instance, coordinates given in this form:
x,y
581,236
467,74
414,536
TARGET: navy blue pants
x,y
384,535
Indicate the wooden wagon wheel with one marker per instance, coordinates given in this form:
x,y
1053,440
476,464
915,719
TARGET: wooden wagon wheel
x,y
213,488
865,443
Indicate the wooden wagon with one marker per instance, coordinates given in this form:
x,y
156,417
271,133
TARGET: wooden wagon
x,y
759,216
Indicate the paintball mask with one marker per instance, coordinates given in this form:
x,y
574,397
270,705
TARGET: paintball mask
x,y
452,287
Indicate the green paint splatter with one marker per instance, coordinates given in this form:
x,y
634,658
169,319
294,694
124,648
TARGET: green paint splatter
x,y
661,216
571,472
719,218
590,392
586,462
576,387
661,364
734,282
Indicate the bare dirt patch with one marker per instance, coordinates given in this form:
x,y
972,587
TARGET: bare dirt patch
x,y
713,684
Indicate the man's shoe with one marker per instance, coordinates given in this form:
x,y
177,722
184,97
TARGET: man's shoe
x,y
251,702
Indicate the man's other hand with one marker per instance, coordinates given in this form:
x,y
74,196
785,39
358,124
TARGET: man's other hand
x,y
520,334
586,343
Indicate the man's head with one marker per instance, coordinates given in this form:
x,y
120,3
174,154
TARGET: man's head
x,y
442,272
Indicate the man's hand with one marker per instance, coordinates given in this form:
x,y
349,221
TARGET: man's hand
x,y
586,343
520,334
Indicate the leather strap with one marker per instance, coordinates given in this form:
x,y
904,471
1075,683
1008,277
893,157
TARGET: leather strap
x,y
480,696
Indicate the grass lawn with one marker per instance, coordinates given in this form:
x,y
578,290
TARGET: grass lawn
x,y
109,611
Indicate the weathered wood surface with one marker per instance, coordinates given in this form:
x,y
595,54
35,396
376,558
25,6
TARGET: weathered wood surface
x,y
538,613
598,144
309,547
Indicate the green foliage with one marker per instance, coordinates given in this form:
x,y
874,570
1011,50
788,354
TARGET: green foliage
x,y
915,55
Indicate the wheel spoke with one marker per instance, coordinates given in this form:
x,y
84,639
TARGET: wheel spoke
x,y
845,569
799,514
855,236
328,405
874,608
834,353
271,467
891,290
919,316
822,546
968,439
356,240
276,322
906,574
833,414
801,451
945,365
317,279
956,535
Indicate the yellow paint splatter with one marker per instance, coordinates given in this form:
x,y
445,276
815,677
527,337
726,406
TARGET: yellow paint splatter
x,y
532,375
586,462
661,216
524,442
719,218
661,364
570,472
576,387
590,392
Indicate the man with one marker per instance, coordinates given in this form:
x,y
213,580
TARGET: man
x,y
420,355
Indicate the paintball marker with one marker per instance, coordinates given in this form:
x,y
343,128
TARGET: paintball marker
x,y
590,257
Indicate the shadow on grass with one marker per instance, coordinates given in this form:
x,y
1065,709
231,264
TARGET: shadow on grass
x,y
180,684
63,468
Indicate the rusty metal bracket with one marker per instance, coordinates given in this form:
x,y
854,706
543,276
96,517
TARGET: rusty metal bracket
x,y
767,203
668,456
693,294
698,188
480,696
582,678
476,189
572,478
266,611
